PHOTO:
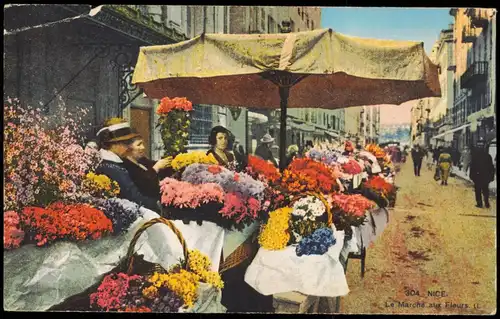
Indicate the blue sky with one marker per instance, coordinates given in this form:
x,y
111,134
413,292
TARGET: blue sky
x,y
413,24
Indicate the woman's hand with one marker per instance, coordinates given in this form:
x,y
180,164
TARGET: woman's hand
x,y
163,163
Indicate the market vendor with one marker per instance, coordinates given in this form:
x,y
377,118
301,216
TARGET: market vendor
x,y
116,139
219,142
264,149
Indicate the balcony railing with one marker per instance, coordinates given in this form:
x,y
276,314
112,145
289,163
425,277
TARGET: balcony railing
x,y
476,73
478,17
469,34
477,102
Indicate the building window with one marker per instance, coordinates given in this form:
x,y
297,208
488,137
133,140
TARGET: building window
x,y
262,20
312,25
188,21
226,18
271,25
334,122
298,11
201,124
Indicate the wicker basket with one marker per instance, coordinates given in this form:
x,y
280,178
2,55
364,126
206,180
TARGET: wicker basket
x,y
154,267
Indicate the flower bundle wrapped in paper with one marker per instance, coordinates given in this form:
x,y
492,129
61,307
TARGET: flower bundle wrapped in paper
x,y
172,291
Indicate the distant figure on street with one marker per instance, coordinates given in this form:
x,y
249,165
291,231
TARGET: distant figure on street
x,y
444,163
429,158
436,153
466,157
348,148
264,149
416,155
292,153
482,172
396,155
455,156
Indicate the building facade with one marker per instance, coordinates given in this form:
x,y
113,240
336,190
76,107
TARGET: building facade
x,y
474,109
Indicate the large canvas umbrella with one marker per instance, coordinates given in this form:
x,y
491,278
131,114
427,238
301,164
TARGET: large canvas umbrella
x,y
326,70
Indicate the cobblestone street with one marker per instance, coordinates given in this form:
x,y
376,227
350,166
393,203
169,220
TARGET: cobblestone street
x,y
436,240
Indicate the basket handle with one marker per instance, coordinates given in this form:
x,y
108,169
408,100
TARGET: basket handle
x,y
146,225
322,199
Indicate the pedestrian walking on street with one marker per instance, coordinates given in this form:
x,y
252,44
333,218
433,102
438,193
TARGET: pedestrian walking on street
x,y
466,157
417,154
445,162
482,172
436,153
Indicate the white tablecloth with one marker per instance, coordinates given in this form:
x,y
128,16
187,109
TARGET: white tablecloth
x,y
273,272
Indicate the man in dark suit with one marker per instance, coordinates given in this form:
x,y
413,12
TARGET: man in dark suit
x,y
417,154
482,173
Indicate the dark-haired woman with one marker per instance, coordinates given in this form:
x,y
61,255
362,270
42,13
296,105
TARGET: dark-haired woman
x,y
219,142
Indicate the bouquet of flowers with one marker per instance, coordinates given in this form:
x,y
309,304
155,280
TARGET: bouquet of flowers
x,y
43,164
262,170
327,157
351,210
122,212
316,243
295,182
174,124
187,202
306,217
59,221
375,150
315,171
352,167
160,292
12,234
183,160
230,181
275,235
100,186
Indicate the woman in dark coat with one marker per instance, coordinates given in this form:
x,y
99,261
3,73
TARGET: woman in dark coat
x,y
115,139
146,173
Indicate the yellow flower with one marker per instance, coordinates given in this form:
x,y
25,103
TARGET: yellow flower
x,y
274,235
150,292
186,159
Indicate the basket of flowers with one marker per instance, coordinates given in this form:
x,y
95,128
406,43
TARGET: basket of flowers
x,y
305,225
141,286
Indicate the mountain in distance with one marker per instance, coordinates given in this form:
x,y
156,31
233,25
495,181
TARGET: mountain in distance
x,y
395,132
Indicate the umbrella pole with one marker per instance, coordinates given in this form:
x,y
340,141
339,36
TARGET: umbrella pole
x,y
284,93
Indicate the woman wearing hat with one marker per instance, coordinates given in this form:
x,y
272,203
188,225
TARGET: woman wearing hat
x,y
264,151
119,148
219,142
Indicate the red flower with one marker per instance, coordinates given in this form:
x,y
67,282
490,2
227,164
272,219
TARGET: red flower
x,y
263,170
60,221
214,169
167,105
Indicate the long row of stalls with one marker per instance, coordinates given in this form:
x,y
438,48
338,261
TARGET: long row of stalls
x,y
73,244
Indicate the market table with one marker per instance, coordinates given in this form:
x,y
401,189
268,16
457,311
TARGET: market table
x,y
352,248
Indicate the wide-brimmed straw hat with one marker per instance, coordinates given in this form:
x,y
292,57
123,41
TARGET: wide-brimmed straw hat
x,y
267,139
118,132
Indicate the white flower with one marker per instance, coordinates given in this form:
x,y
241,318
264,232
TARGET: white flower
x,y
299,212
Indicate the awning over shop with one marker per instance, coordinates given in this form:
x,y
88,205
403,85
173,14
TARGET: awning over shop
x,y
332,134
450,131
301,127
257,118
